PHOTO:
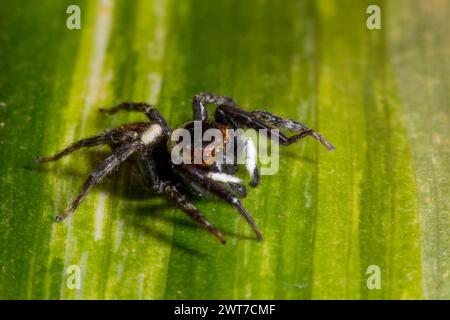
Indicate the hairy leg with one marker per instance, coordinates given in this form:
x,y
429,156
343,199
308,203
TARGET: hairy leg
x,y
251,160
200,104
149,110
173,194
219,189
98,140
266,121
106,167
291,125
119,136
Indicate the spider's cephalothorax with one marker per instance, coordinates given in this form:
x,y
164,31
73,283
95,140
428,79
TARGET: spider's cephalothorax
x,y
152,143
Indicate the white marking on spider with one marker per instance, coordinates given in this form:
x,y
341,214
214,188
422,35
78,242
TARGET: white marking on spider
x,y
151,134
223,177
251,156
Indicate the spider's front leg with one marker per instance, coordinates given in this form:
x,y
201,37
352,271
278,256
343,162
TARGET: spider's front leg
x,y
291,125
160,185
215,182
173,194
251,160
229,113
200,104
262,120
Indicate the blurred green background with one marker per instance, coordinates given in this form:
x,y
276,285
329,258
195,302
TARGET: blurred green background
x,y
380,96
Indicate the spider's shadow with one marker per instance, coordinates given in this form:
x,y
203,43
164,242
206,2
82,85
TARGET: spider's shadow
x,y
127,183
294,155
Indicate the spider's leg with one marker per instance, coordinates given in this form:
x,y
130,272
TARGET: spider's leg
x,y
148,167
229,113
150,111
238,189
200,103
251,160
257,120
106,167
246,146
97,140
292,126
216,184
173,194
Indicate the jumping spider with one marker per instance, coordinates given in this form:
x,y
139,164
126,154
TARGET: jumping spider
x,y
151,142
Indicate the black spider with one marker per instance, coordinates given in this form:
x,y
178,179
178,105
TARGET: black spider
x,y
152,144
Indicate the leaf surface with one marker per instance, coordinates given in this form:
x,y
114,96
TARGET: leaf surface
x,y
380,199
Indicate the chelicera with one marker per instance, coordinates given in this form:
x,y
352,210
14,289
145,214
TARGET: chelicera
x,y
151,145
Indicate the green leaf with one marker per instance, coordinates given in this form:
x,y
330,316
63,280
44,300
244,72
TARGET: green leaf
x,y
381,198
